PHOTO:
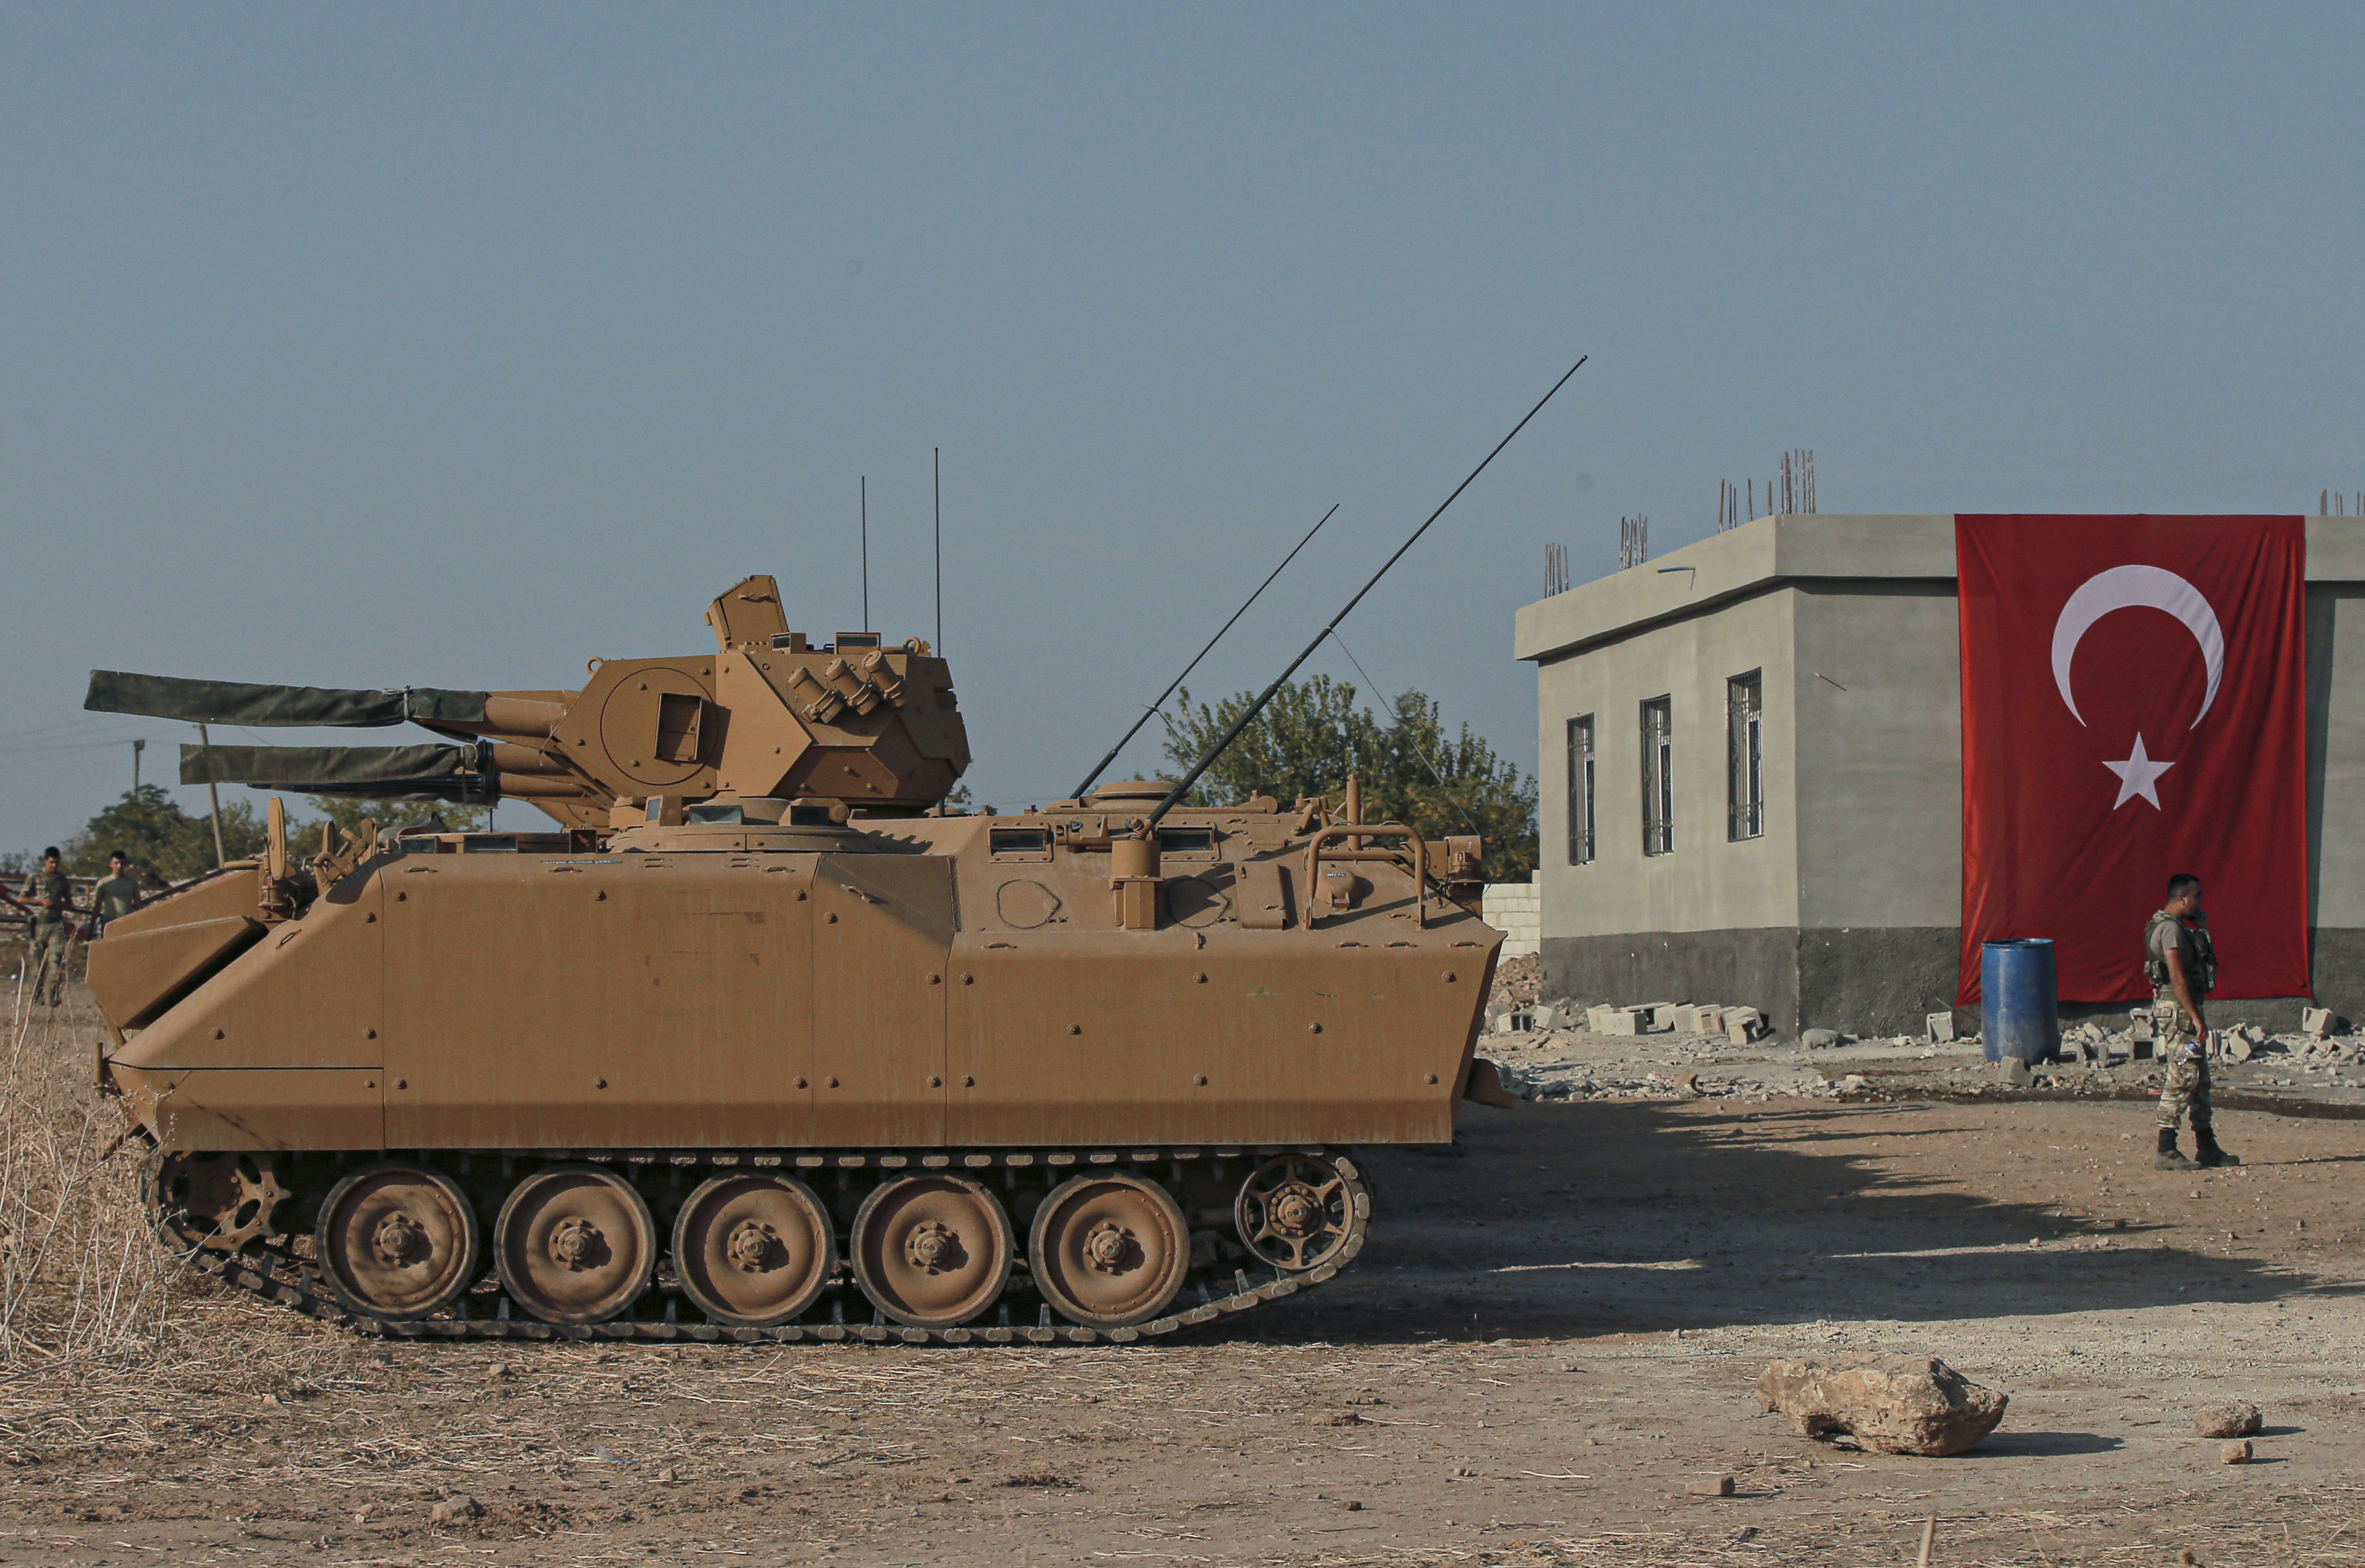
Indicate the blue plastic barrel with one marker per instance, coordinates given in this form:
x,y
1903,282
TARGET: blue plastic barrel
x,y
2020,999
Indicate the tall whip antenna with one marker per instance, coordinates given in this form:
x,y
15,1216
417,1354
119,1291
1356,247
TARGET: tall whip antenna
x,y
939,478
866,552
1245,720
1101,766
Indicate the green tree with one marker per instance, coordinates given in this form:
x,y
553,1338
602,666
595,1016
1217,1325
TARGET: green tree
x,y
150,828
1314,735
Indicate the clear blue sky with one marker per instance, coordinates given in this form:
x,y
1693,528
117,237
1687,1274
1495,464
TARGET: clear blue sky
x,y
452,345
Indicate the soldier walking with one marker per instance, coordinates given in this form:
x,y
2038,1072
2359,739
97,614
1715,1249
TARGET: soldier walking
x,y
2181,963
49,896
116,896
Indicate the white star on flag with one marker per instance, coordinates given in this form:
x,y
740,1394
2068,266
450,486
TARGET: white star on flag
x,y
2137,776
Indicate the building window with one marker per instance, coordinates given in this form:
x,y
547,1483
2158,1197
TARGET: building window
x,y
1580,790
1745,729
1658,783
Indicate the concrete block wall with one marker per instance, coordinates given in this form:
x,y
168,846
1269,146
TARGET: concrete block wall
x,y
1516,908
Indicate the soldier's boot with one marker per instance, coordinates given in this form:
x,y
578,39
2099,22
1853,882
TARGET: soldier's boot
x,y
2168,1159
2206,1154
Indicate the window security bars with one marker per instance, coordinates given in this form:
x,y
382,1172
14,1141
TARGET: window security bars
x,y
1658,781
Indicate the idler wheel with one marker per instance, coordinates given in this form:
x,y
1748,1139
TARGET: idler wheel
x,y
574,1244
1297,1211
933,1250
397,1241
1109,1249
754,1248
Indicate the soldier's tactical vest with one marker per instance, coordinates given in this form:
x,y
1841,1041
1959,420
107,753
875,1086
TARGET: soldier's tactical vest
x,y
2203,977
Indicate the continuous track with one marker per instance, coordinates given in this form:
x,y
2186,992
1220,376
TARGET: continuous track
x,y
276,1270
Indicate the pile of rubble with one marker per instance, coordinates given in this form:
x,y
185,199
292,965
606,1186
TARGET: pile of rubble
x,y
1738,1024
1560,1050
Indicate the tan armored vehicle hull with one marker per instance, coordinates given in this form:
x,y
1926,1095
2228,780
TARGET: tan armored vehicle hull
x,y
797,1069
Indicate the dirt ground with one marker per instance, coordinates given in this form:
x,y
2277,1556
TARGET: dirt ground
x,y
1558,1325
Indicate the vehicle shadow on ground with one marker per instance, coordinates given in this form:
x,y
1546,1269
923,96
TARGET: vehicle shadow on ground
x,y
1593,1217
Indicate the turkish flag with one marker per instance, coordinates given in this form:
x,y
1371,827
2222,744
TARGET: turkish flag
x,y
2134,705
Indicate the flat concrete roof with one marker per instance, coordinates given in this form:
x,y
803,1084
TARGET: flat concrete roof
x,y
1900,547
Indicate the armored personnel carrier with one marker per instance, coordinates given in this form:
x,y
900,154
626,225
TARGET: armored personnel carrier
x,y
760,1042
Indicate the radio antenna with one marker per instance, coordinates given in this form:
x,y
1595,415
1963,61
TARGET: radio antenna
x,y
1257,706
866,552
1101,766
939,479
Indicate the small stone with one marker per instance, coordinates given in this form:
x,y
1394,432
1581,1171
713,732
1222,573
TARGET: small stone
x,y
2235,1453
1710,1486
2013,1073
2236,1420
455,1510
1463,1470
667,1476
1354,1507
1819,1039
498,1370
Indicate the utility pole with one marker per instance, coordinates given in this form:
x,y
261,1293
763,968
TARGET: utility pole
x,y
213,794
137,748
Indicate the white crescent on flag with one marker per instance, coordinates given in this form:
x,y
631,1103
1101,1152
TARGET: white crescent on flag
x,y
2127,588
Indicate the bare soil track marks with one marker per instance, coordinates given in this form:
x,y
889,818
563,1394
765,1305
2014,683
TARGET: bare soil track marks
x,y
1556,1326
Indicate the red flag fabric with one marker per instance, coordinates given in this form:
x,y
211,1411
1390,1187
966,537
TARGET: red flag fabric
x,y
2134,705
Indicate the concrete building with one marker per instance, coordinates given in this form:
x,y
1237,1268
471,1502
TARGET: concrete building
x,y
1750,771
1515,910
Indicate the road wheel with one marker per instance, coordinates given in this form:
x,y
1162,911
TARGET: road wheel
x,y
933,1250
574,1244
397,1242
1109,1249
754,1248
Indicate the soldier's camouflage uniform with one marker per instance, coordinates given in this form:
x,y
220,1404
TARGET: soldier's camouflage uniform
x,y
51,896
2185,1090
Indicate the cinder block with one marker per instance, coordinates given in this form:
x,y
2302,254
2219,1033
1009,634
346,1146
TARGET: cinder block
x,y
1940,1026
1748,1020
1594,1015
1620,1021
1702,1019
2316,1021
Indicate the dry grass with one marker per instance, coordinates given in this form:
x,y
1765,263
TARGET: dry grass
x,y
94,1310
81,1280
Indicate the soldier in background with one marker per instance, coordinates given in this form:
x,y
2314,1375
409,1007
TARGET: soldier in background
x,y
117,895
49,896
2181,963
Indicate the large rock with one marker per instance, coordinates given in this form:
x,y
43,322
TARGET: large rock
x,y
2238,1420
1914,1404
